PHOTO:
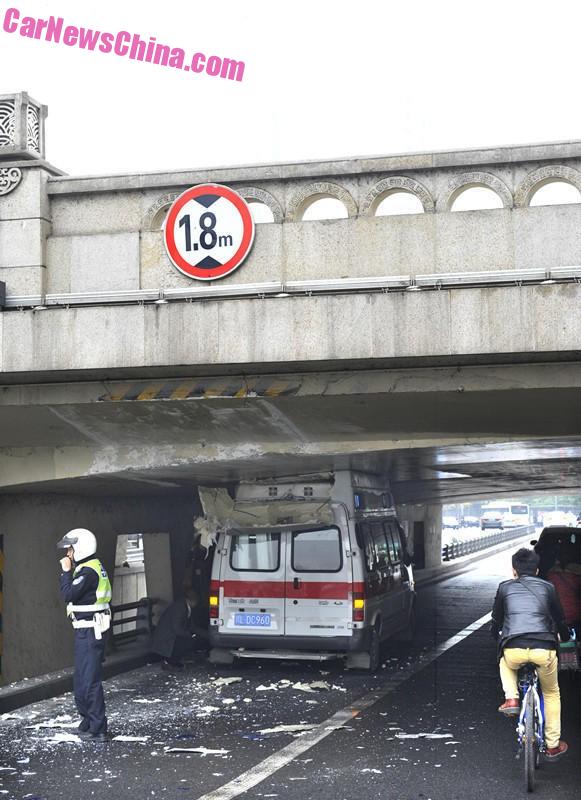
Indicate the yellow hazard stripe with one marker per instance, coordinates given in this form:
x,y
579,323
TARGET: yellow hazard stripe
x,y
151,392
236,387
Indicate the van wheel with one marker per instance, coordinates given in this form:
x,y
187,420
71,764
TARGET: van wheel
x,y
374,651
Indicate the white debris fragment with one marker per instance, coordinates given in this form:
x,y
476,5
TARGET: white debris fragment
x,y
317,686
8,769
247,700
375,771
303,726
218,682
10,716
228,701
423,736
64,737
203,751
146,700
62,721
272,687
204,711
452,742
123,738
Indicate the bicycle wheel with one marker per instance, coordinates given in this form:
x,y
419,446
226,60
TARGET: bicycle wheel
x,y
530,744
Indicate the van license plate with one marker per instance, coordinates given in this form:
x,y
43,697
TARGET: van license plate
x,y
252,620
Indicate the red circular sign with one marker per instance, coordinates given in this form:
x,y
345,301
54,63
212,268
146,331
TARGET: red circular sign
x,y
208,232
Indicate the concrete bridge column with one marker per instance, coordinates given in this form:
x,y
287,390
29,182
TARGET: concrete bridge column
x,y
423,528
37,637
25,220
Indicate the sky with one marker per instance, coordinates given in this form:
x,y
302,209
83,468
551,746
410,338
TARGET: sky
x,y
323,79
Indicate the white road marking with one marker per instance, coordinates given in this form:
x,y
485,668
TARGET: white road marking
x,y
264,769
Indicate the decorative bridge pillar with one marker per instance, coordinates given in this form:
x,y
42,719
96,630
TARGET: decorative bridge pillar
x,y
24,207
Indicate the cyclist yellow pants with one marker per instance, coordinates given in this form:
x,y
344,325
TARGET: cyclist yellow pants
x,y
546,664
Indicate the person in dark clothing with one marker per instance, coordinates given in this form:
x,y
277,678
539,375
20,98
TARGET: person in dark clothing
x,y
526,618
178,627
86,589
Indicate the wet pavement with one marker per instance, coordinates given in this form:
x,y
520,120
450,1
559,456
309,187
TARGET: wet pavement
x,y
383,752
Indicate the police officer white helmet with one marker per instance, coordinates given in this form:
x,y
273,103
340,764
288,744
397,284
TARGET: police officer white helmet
x,y
82,541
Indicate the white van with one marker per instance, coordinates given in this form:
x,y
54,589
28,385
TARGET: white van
x,y
308,570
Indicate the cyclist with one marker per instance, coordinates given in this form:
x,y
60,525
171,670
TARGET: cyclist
x,y
526,617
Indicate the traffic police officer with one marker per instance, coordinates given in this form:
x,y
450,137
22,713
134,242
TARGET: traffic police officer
x,y
87,591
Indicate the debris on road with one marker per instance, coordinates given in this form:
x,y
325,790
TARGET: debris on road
x,y
217,683
123,738
423,736
203,751
146,700
302,727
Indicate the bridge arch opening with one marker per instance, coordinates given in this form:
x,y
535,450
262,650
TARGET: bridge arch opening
x,y
555,193
395,202
476,198
261,213
324,207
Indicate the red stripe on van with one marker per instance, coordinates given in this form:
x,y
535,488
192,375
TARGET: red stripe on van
x,y
308,590
215,586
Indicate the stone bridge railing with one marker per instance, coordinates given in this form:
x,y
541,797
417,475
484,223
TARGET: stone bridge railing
x,y
68,239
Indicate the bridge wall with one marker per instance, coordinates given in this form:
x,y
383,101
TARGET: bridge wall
x,y
61,234
37,637
448,325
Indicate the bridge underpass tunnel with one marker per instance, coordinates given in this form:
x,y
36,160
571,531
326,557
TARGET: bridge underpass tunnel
x,y
37,636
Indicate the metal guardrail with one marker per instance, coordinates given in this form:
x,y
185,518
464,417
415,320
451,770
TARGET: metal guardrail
x,y
387,283
145,618
458,549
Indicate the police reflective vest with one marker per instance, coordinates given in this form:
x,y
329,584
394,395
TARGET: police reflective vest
x,y
101,621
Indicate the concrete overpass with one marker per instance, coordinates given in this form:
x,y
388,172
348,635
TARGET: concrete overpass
x,y
441,348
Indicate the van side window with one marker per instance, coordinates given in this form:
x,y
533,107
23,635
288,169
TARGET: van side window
x,y
317,551
394,542
255,552
365,541
381,546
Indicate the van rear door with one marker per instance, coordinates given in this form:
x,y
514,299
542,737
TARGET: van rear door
x,y
252,583
319,583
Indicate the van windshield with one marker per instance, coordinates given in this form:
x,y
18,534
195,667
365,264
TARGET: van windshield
x,y
255,552
317,551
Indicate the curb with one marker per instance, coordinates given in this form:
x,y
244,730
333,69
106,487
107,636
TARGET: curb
x,y
43,687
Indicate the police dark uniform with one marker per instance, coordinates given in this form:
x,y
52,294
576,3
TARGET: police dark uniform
x,y
82,588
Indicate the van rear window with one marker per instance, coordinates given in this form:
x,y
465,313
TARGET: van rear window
x,y
255,552
317,551
519,509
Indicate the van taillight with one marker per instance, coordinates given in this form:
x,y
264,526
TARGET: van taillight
x,y
358,607
214,606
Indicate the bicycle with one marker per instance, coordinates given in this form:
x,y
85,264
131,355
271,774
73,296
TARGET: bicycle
x,y
531,723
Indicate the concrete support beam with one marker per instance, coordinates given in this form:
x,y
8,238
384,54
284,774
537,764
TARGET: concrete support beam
x,y
450,325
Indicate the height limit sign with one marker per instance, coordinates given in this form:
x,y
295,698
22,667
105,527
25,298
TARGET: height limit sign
x,y
208,232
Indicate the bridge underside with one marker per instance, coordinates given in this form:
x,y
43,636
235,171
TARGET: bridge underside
x,y
441,434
